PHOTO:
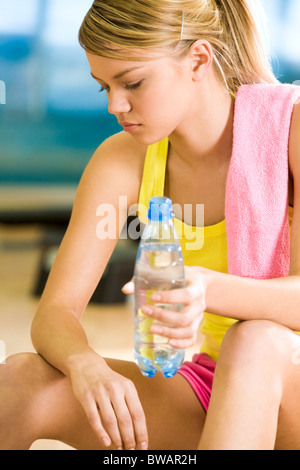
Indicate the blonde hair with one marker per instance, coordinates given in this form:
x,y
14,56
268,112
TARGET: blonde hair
x,y
119,28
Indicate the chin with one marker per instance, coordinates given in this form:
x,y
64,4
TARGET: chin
x,y
149,138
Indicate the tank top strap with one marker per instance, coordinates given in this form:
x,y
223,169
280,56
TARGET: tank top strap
x,y
153,181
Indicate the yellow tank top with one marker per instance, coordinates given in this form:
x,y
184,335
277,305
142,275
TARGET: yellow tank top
x,y
201,246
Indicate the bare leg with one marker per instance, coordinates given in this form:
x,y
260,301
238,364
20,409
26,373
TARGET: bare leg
x,y
37,402
255,400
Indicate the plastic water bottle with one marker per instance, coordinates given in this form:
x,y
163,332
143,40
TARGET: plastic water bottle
x,y
159,266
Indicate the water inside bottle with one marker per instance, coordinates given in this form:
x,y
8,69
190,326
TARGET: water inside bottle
x,y
157,268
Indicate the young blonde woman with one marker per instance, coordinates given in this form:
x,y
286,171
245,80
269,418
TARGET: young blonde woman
x,y
205,122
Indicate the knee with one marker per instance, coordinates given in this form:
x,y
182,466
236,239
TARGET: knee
x,y
28,370
252,343
20,360
20,368
254,330
17,378
250,360
15,393
25,380
14,367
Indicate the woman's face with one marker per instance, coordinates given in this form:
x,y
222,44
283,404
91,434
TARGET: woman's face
x,y
149,98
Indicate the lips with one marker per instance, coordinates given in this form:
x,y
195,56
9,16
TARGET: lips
x,y
129,126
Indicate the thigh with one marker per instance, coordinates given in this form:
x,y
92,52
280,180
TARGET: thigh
x,y
175,417
278,350
256,391
288,434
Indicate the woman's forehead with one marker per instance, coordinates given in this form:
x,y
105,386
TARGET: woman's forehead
x,y
119,67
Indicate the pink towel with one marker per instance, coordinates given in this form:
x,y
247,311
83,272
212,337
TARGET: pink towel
x,y
257,185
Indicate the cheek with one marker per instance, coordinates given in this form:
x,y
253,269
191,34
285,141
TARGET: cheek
x,y
161,111
162,107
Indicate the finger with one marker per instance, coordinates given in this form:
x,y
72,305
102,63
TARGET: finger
x,y
188,329
125,424
109,421
177,319
131,418
92,414
183,343
184,295
173,333
128,288
138,419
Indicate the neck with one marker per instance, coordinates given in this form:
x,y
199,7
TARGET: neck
x,y
205,136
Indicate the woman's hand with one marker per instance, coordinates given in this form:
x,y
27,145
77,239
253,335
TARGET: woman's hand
x,y
111,403
185,323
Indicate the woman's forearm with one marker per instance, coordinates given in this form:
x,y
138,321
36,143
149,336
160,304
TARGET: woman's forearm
x,y
58,337
243,299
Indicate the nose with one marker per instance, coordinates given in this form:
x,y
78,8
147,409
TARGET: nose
x,y
118,103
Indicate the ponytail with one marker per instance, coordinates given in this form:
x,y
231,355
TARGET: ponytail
x,y
244,59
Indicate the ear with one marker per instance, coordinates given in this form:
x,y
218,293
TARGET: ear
x,y
201,58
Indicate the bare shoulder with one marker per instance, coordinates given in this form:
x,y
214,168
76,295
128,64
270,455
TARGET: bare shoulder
x,y
123,148
118,163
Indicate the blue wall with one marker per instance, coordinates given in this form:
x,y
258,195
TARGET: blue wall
x,y
54,119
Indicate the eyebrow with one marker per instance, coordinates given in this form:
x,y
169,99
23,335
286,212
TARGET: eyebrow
x,y
119,75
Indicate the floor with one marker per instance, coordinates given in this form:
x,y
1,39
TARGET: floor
x,y
109,328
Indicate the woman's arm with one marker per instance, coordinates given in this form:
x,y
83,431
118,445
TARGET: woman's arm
x,y
82,256
243,299
114,170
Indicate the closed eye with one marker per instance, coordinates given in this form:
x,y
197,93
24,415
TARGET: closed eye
x,y
134,85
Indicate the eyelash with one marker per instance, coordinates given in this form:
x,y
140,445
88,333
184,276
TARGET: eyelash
x,y
134,86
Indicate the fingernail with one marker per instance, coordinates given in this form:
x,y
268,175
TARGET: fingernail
x,y
156,297
106,442
144,446
147,310
156,329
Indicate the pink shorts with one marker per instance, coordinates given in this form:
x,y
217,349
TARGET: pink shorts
x,y
200,373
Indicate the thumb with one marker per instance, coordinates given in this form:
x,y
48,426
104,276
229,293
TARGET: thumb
x,y
128,288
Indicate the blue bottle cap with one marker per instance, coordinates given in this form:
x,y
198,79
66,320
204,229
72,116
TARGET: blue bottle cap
x,y
160,209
